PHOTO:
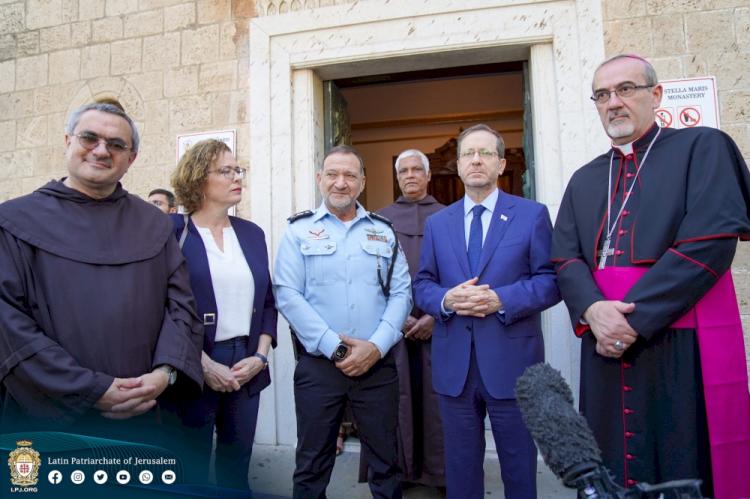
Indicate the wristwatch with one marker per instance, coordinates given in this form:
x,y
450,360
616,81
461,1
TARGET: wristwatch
x,y
262,358
340,352
171,373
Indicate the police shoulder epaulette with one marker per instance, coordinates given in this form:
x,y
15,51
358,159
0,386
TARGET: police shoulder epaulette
x,y
301,214
380,217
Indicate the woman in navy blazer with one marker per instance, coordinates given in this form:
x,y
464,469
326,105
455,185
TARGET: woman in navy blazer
x,y
228,263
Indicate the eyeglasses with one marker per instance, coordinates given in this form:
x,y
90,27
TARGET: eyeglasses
x,y
483,153
230,173
90,141
624,91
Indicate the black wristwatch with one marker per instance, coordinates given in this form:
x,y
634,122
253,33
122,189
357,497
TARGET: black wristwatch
x,y
340,352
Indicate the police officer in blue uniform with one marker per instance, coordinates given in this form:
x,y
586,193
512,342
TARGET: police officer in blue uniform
x,y
344,288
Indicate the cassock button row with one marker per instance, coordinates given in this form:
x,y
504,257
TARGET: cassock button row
x,y
629,457
619,252
627,388
629,434
626,365
622,232
625,213
631,482
629,175
628,411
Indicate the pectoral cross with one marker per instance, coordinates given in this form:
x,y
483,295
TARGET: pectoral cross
x,y
605,252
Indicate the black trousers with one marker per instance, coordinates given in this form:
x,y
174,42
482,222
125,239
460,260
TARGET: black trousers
x,y
321,392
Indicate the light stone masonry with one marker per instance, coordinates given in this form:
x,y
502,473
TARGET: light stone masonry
x,y
714,26
161,51
217,76
106,30
27,44
179,16
7,76
54,38
118,7
7,135
200,45
126,56
181,81
43,13
80,33
64,66
31,72
11,18
213,11
95,61
31,132
90,9
144,23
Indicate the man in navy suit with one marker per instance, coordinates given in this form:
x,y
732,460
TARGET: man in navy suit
x,y
485,275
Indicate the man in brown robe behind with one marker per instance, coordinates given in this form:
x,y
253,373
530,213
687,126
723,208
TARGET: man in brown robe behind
x,y
420,429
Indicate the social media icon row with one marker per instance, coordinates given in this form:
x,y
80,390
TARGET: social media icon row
x,y
100,477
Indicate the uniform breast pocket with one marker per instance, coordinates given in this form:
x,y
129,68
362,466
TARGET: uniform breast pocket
x,y
375,258
320,262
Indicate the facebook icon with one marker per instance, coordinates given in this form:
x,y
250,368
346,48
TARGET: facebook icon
x,y
54,477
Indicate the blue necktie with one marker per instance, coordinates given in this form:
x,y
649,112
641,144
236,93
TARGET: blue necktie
x,y
475,239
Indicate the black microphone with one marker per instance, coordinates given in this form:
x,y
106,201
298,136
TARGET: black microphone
x,y
561,433
567,443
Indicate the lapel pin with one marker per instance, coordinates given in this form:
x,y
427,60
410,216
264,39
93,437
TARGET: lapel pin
x,y
503,218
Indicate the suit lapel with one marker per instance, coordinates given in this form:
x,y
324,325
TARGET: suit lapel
x,y
457,236
250,251
501,219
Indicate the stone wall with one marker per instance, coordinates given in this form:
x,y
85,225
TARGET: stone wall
x,y
685,38
176,66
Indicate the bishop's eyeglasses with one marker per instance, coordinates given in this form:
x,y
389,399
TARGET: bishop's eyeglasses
x,y
623,91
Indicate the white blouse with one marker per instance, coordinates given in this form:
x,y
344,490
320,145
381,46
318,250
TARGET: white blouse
x,y
234,287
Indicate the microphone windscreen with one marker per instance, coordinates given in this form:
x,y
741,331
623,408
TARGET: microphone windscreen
x,y
562,434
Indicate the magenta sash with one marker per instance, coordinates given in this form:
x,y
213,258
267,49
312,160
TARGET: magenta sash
x,y
716,319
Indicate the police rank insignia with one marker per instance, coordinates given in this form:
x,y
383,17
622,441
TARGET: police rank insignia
x,y
376,235
318,234
24,463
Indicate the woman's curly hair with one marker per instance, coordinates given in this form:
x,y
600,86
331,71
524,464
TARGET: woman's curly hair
x,y
192,170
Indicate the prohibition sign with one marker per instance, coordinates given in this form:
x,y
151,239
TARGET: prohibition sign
x,y
663,118
690,117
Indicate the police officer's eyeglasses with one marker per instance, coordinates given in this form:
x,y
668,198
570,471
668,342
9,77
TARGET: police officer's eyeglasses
x,y
230,173
90,141
624,91
483,153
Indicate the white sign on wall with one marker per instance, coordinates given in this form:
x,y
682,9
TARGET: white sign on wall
x,y
689,102
184,142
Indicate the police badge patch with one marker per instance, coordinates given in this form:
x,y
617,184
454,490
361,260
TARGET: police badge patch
x,y
24,463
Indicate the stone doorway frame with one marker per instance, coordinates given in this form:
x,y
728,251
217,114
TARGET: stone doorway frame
x,y
291,55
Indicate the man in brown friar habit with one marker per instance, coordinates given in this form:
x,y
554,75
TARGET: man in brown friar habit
x,y
420,433
643,245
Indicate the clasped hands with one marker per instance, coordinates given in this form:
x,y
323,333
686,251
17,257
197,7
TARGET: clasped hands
x,y
609,325
471,299
361,357
128,397
221,378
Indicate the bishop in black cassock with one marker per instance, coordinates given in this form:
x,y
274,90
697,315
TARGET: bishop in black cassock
x,y
650,228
